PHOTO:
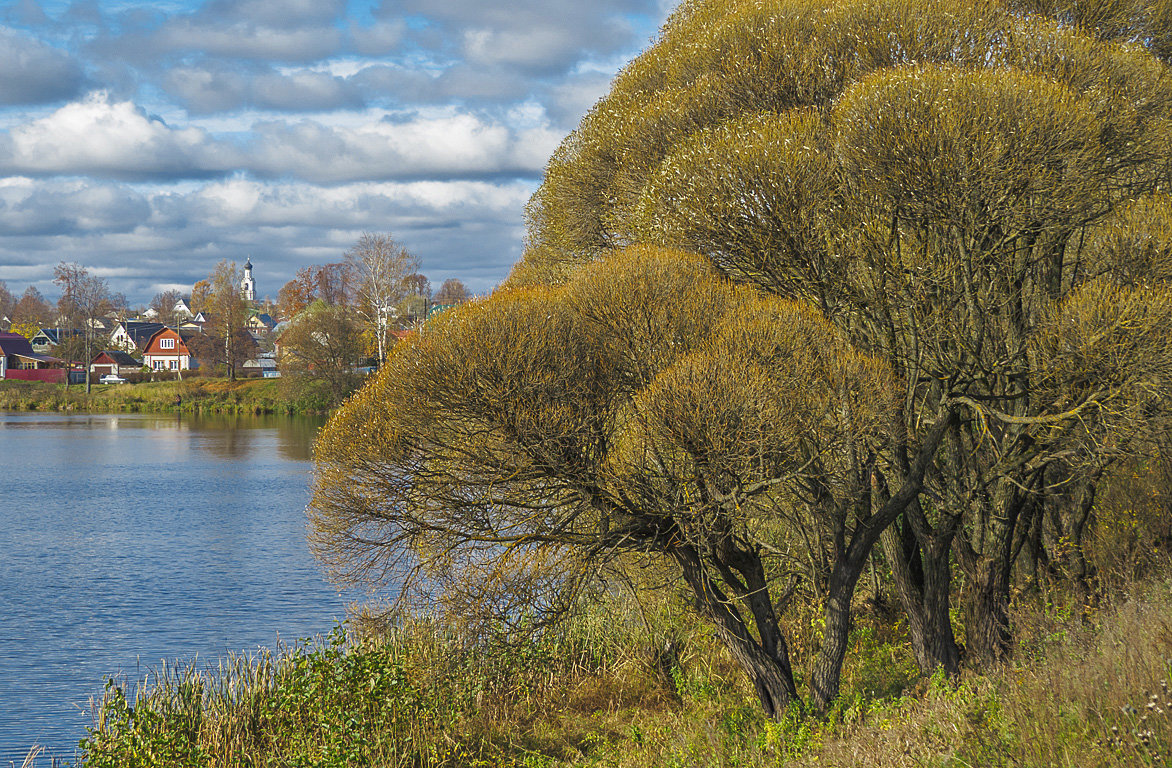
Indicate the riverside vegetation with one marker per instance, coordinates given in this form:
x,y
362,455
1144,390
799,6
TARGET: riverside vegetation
x,y
191,395
628,684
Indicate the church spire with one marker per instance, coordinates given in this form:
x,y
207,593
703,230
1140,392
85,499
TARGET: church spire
x,y
248,284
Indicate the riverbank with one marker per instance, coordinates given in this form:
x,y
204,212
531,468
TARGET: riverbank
x,y
194,395
608,691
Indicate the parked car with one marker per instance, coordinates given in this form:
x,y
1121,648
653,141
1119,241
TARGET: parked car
x,y
112,378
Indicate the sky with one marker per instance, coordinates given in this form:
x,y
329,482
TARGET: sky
x,y
147,141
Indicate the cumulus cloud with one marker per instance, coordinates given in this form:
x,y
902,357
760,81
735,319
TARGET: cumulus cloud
x,y
456,145
243,40
29,208
541,36
97,136
274,13
32,72
378,39
133,238
282,129
116,139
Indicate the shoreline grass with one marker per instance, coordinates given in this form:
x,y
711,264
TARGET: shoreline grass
x,y
193,395
598,693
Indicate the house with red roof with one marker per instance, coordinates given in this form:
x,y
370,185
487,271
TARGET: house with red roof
x,y
114,361
167,350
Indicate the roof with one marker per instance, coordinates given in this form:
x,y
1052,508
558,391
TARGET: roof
x,y
54,334
118,357
140,332
435,309
260,362
19,346
161,330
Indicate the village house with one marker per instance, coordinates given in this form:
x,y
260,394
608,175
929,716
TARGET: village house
x,y
180,311
132,335
261,321
48,338
114,361
19,361
167,350
194,323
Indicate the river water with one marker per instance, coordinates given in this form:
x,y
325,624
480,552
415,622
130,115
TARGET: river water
x,y
127,540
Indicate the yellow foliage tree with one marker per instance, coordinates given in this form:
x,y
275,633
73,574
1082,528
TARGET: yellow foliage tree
x,y
648,408
941,180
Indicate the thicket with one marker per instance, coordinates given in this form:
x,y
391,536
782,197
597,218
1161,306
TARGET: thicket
x,y
974,195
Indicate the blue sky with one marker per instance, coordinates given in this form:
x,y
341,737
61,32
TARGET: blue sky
x,y
148,141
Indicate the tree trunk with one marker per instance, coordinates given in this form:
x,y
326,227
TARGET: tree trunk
x,y
766,663
926,599
86,355
940,648
1069,516
826,676
987,615
988,574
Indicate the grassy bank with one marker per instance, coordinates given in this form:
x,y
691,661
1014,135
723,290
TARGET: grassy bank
x,y
194,395
615,689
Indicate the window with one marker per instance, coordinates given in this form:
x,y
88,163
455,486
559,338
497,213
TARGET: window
x,y
158,364
174,365
166,343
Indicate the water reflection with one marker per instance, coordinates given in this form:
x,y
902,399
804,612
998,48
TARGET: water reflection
x,y
132,538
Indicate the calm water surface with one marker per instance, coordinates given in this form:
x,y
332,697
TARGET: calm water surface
x,y
126,540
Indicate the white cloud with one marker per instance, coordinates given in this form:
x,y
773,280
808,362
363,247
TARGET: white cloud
x,y
457,145
531,48
532,35
236,202
274,13
378,39
119,140
288,128
97,136
28,207
220,89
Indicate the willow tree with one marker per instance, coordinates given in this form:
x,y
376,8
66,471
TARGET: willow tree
x,y
946,182
507,457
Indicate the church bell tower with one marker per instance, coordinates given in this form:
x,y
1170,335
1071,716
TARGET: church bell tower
x,y
248,285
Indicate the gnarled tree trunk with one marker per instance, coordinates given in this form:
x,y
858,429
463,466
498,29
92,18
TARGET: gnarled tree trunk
x,y
765,659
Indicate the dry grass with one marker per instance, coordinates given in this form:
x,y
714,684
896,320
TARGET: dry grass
x,y
1079,697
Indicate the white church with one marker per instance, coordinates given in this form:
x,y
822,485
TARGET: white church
x,y
248,284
